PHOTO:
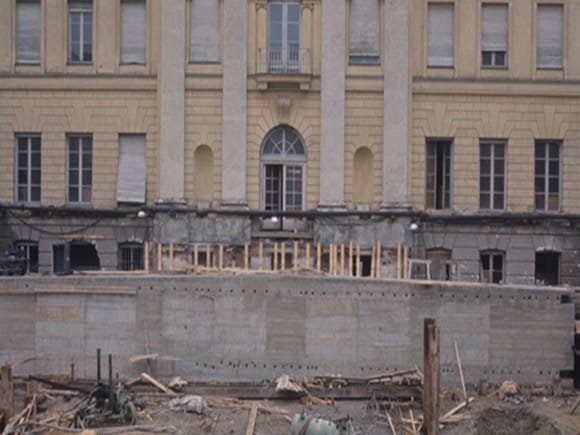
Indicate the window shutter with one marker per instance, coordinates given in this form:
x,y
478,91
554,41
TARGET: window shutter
x,y
440,22
364,27
204,45
549,50
28,25
132,169
133,17
494,25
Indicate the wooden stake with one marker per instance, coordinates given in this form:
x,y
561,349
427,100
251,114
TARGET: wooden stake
x,y
207,256
246,255
405,262
349,258
431,361
460,370
282,256
358,265
295,257
342,259
195,255
171,256
146,256
260,254
332,259
159,257
379,259
275,256
318,257
399,255
221,257
307,255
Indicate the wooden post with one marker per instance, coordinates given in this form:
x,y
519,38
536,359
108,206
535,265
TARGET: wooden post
x,y
332,260
275,256
260,254
159,257
460,371
195,255
431,359
282,256
6,392
207,256
378,263
358,265
373,261
318,257
399,254
342,259
171,256
295,257
146,256
349,258
406,262
307,255
221,256
246,255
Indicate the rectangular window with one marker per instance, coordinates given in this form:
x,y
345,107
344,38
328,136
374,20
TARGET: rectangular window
x,y
438,183
273,191
365,21
440,50
547,176
130,256
492,267
283,187
494,35
492,175
29,250
204,34
28,29
550,36
131,177
80,169
80,31
28,168
284,37
133,31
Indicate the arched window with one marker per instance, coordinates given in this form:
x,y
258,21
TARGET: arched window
x,y
283,166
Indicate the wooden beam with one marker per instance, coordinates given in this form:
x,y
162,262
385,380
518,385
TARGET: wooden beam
x,y
373,260
195,255
318,257
350,258
405,262
207,256
260,254
145,377
282,256
246,255
159,257
358,265
146,256
342,259
295,257
399,258
171,266
6,392
460,371
431,363
307,255
275,256
379,259
220,256
252,420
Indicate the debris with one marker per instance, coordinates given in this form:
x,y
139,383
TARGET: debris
x,y
177,383
189,403
138,358
457,408
303,425
284,384
508,388
391,425
151,380
576,404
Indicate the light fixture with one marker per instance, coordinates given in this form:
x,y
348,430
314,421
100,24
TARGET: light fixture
x,y
141,214
413,226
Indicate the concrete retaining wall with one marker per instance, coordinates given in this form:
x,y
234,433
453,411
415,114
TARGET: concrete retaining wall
x,y
255,327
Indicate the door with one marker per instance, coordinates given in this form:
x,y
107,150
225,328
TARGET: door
x,y
284,37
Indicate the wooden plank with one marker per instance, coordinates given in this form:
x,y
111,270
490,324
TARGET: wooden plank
x,y
358,265
307,255
575,406
350,253
146,256
246,255
6,392
220,256
391,425
405,262
275,256
171,265
260,254
379,260
342,259
195,255
252,420
318,257
399,258
295,257
373,260
460,371
431,361
159,257
282,256
145,377
207,256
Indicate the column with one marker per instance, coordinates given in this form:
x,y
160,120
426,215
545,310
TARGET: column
x,y
172,101
396,113
332,103
234,128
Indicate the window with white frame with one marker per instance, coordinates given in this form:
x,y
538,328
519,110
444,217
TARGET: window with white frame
x,y
491,267
29,249
204,34
130,256
80,168
364,32
440,44
131,176
28,168
283,164
438,171
547,175
492,169
494,35
28,31
80,31
133,31
284,36
550,36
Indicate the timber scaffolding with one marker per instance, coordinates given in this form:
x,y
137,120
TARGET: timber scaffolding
x,y
343,260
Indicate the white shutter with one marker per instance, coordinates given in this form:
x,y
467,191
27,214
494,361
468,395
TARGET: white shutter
x,y
365,18
132,169
133,31
550,36
494,24
441,31
28,25
204,44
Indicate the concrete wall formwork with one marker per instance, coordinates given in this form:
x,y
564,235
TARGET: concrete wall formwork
x,y
262,326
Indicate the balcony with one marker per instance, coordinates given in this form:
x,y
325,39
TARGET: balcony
x,y
284,66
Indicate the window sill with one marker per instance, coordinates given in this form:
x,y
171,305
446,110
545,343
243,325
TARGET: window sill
x,y
300,80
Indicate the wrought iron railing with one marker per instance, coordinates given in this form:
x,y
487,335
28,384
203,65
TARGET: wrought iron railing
x,y
284,60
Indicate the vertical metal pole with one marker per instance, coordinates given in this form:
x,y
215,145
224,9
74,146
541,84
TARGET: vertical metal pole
x,y
110,369
431,360
98,366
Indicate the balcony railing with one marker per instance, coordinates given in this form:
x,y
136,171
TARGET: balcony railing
x,y
284,60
